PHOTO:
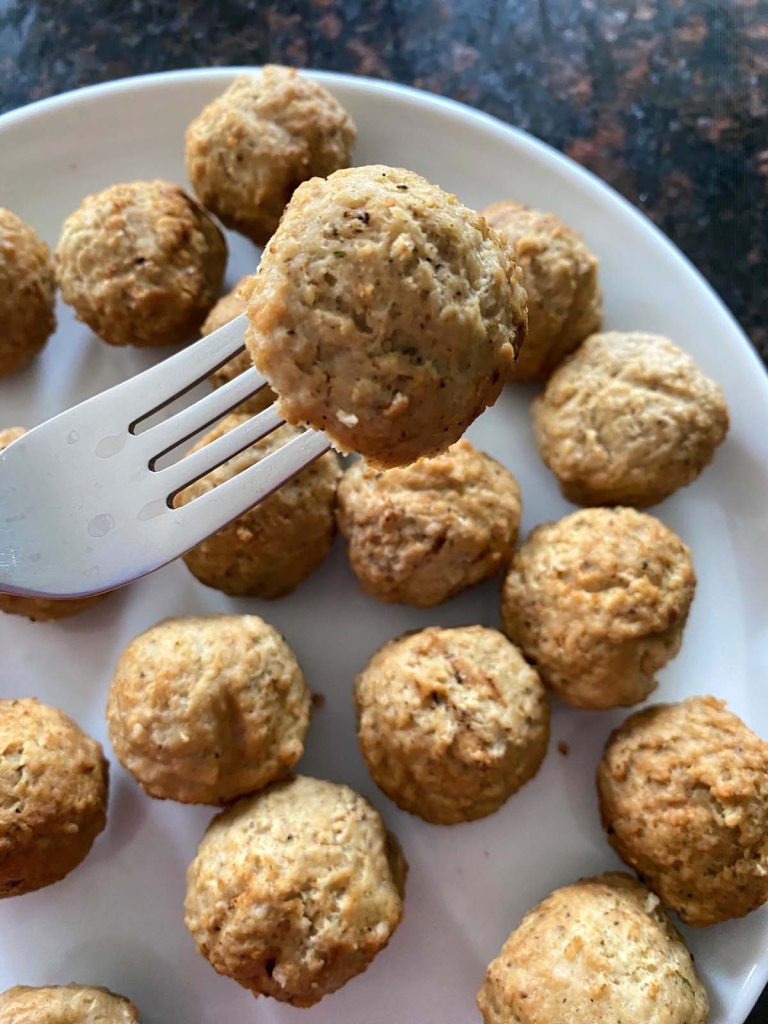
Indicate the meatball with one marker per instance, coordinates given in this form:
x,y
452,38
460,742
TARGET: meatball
x,y
53,795
627,420
27,293
420,534
385,313
141,264
40,609
269,550
598,602
295,890
65,1004
597,951
565,301
249,149
684,799
232,305
451,722
204,709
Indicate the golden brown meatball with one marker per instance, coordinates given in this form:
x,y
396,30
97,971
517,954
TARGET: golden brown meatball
x,y
249,149
269,550
27,293
141,264
684,799
295,890
204,709
40,609
565,301
628,419
598,602
65,1004
230,306
420,534
451,722
601,951
53,795
385,313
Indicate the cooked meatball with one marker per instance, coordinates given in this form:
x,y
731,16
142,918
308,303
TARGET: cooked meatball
x,y
65,1004
204,709
628,419
420,534
684,799
295,890
451,722
385,313
232,305
40,609
598,602
141,264
53,795
27,293
249,149
269,550
601,951
565,301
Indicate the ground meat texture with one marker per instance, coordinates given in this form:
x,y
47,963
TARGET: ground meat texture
x,y
249,149
27,293
53,795
628,419
65,1004
141,263
565,301
420,534
684,799
269,550
205,709
598,602
385,313
451,722
232,305
600,951
294,891
40,609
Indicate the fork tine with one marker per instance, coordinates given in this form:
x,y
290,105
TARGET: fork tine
x,y
179,373
174,478
219,506
165,436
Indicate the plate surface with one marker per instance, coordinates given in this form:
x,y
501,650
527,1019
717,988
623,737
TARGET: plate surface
x,y
117,920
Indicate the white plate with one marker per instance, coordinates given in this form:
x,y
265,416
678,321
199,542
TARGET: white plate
x,y
117,920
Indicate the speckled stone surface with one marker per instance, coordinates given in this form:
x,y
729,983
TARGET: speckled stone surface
x,y
667,100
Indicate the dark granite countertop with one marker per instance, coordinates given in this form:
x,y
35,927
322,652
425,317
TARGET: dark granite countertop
x,y
667,100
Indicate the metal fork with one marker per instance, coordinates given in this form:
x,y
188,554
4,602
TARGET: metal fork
x,y
84,507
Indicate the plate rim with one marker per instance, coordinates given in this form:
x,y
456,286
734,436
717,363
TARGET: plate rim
x,y
755,981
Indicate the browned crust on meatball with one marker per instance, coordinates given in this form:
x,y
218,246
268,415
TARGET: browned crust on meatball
x,y
294,891
628,419
141,263
684,799
65,1004
600,951
230,306
565,301
53,795
420,534
265,134
597,602
207,708
385,313
269,550
451,722
27,293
